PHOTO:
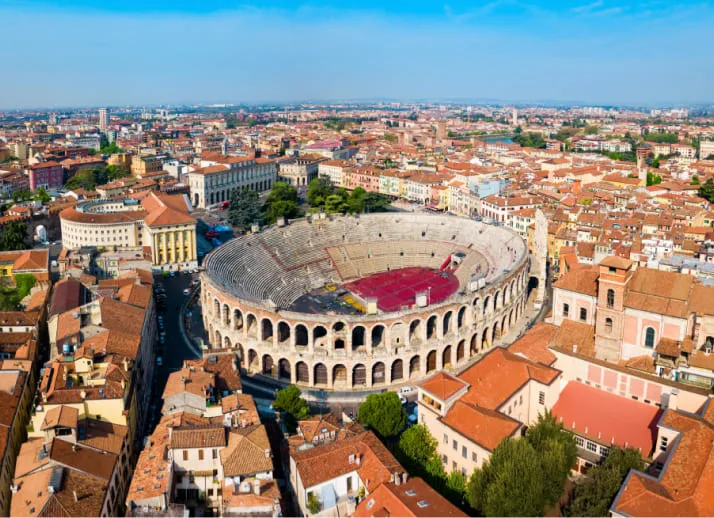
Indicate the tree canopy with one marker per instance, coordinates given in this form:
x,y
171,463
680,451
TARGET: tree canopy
x,y
13,236
322,195
290,401
530,139
662,138
244,209
89,179
706,190
383,413
595,492
281,202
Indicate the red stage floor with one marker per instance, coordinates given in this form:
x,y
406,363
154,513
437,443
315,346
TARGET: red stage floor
x,y
397,289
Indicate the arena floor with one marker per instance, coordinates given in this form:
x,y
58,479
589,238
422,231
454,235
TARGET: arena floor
x,y
397,289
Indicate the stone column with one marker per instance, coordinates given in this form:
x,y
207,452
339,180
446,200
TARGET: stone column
x,y
164,247
182,254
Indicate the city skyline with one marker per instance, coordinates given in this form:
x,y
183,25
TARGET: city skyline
x,y
594,52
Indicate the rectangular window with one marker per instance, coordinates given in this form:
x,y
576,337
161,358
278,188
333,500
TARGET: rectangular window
x,y
445,459
455,445
446,439
583,314
454,466
580,441
591,446
200,454
541,398
185,454
215,453
604,451
464,453
663,444
474,457
566,310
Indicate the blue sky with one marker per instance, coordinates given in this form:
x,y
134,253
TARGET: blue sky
x,y
86,53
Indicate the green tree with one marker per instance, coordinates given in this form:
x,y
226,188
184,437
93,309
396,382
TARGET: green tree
x,y
13,236
335,204
21,195
662,138
594,493
695,180
320,188
510,483
530,139
706,190
417,451
653,179
591,130
41,195
282,208
383,413
455,487
390,137
282,191
244,209
290,401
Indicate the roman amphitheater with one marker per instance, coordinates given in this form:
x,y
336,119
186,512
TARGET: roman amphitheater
x,y
359,302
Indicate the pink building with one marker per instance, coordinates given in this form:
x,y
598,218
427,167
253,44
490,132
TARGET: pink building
x,y
49,175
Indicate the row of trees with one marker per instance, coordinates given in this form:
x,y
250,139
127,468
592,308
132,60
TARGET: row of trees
x,y
323,196
13,236
530,139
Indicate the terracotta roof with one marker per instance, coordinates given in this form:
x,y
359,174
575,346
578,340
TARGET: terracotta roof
x,y
99,464
607,418
247,453
481,425
443,385
582,280
534,344
616,262
211,437
61,415
412,498
572,333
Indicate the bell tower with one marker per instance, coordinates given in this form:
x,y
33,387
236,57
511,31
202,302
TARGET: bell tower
x,y
615,273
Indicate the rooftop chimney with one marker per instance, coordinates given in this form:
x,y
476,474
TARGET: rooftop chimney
x,y
76,498
256,486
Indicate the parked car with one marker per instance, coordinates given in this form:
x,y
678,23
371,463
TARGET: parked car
x,y
187,291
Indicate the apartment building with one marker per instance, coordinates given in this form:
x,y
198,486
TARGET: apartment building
x,y
299,171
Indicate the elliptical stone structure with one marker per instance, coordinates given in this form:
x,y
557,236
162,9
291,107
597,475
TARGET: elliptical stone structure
x,y
250,284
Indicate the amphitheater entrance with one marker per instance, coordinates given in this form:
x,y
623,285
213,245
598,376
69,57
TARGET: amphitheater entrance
x,y
446,357
252,326
301,336
320,374
431,362
284,370
359,375
460,351
267,365
283,332
415,332
267,330
339,376
414,367
532,285
302,373
378,374
378,336
431,328
397,370
237,319
461,318
358,338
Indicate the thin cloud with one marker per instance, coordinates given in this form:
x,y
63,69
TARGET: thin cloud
x,y
588,8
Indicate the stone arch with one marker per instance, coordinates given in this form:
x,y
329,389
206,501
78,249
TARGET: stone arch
x,y
302,373
358,337
446,357
415,331
474,345
251,326
218,341
495,300
359,375
474,304
266,329
320,376
226,315
505,292
460,351
414,367
510,319
397,336
216,308
252,359
485,339
431,361
339,332
461,318
496,333
283,332
447,323
319,332
226,342
237,319
339,376
486,304
379,335
397,370
379,374
431,327
239,352
504,325
302,338
267,365
284,369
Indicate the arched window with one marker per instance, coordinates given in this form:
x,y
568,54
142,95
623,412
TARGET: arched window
x,y
610,298
608,325
650,337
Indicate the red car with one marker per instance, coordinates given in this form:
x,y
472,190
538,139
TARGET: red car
x,y
211,234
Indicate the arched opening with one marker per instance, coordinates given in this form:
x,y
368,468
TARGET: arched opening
x,y
284,369
397,335
496,333
267,368
504,325
339,344
283,332
237,319
218,341
415,332
359,375
378,372
431,362
446,357
320,374
510,319
608,325
226,315
252,359
301,336
226,342
475,303
239,352
267,331
216,307
302,374
460,349
484,339
414,367
378,336
461,318
339,376
357,337
446,323
486,304
495,300
532,285
318,336
431,328
397,370
503,302
650,337
610,298
252,326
